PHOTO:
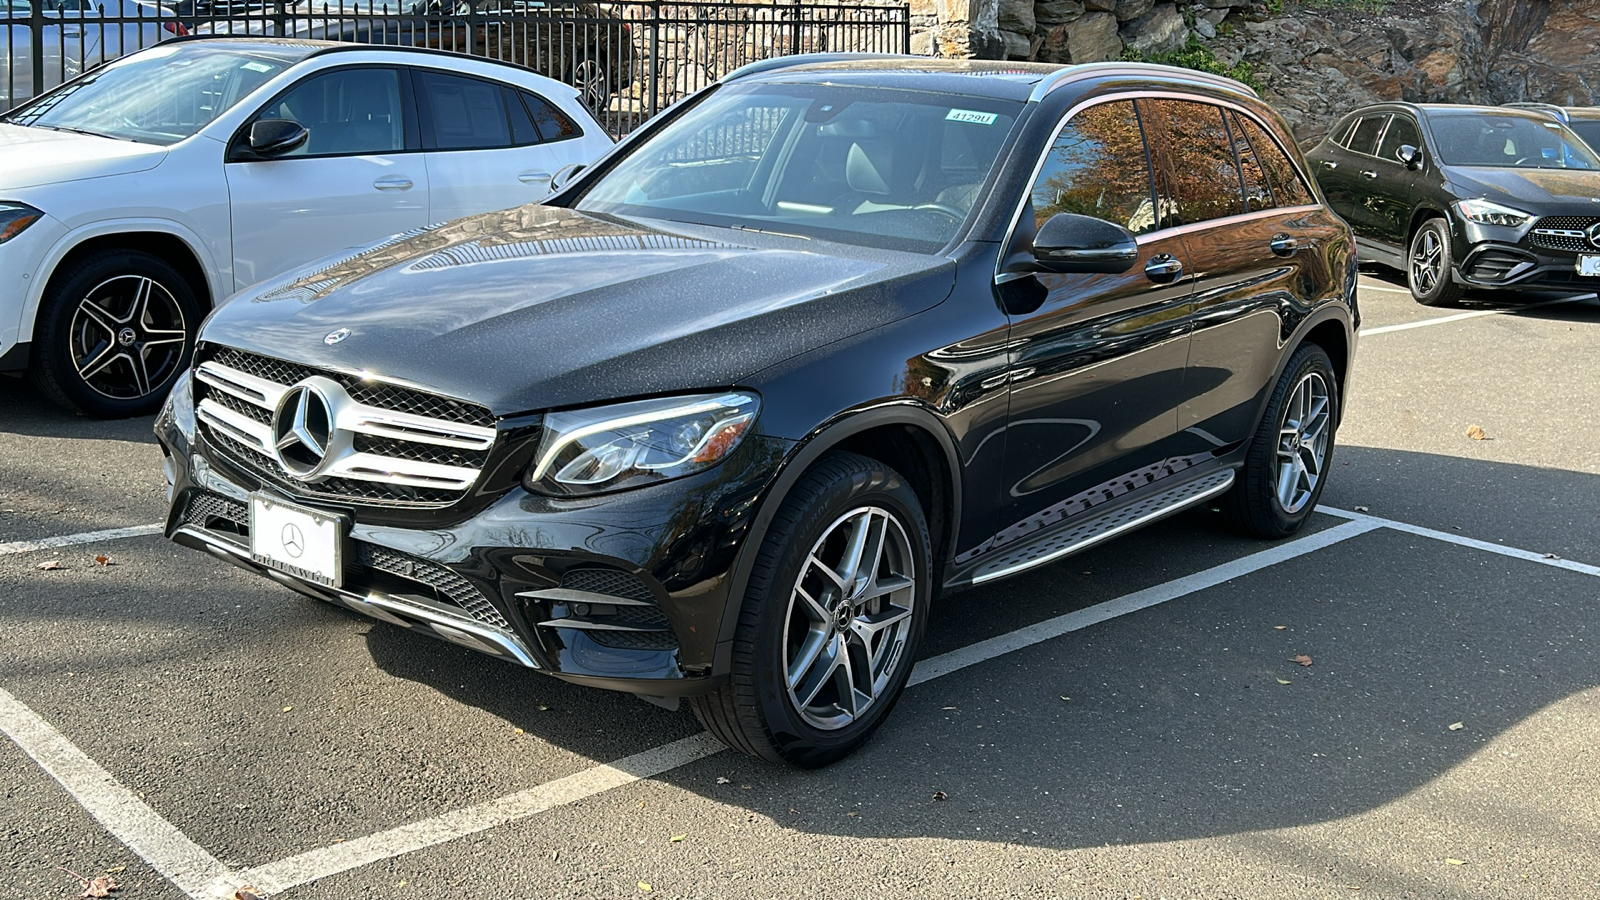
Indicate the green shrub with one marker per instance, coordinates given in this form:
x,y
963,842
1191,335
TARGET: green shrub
x,y
1199,57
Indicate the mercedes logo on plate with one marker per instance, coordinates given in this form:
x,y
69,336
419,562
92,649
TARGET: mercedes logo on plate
x,y
302,430
336,336
294,543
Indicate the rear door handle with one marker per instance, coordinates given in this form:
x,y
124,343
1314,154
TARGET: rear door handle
x,y
1329,164
1368,174
393,183
1283,245
534,177
1163,268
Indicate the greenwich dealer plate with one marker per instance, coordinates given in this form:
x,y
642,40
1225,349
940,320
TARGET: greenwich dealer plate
x,y
1589,265
302,542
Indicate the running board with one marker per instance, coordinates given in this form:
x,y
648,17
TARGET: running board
x,y
1058,543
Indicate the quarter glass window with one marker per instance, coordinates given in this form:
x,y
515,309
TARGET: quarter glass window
x,y
1287,187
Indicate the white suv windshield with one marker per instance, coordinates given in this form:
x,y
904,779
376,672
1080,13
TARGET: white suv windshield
x,y
159,96
886,168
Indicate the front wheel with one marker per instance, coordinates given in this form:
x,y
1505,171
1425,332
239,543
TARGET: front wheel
x,y
114,331
1429,266
1287,464
593,82
830,624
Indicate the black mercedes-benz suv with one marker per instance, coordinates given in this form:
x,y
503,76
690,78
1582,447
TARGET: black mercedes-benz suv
x,y
830,338
1462,197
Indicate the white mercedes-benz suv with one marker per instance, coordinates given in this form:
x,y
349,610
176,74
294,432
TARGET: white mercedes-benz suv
x,y
137,197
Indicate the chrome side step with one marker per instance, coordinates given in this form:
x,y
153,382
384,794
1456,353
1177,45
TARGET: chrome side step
x,y
1055,544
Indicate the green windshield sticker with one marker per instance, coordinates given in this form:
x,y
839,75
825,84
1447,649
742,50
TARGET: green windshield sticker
x,y
972,116
257,67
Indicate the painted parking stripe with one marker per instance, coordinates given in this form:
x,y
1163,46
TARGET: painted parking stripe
x,y
1543,559
1477,313
185,863
71,540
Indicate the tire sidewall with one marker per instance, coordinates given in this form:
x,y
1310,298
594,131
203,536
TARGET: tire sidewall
x,y
1433,297
1310,358
795,739
59,377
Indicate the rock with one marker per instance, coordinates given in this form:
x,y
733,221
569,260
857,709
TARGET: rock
x,y
1094,38
922,43
1204,29
1161,30
1057,12
1100,5
1017,46
1128,10
1017,15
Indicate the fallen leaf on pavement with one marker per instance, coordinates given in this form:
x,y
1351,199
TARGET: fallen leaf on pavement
x,y
723,779
853,815
940,795
1279,627
1363,509
676,839
49,565
1457,726
1476,433
1065,697
1281,681
1302,659
248,892
104,560
99,886
644,886
1456,862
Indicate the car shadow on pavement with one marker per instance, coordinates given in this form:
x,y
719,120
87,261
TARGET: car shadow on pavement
x,y
24,411
1191,719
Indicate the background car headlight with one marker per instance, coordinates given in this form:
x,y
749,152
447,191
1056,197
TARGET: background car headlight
x,y
1485,213
630,444
15,219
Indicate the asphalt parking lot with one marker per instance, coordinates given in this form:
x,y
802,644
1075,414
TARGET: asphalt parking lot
x,y
1126,723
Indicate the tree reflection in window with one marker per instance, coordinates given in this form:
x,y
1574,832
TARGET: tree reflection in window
x,y
1202,175
1097,167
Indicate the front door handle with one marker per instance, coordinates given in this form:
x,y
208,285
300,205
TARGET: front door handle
x,y
534,177
393,183
1283,245
1163,268
1329,164
1368,174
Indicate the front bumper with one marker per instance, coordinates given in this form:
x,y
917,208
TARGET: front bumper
x,y
628,591
1532,257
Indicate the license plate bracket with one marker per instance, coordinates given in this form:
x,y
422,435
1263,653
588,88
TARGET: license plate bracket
x,y
1589,266
305,543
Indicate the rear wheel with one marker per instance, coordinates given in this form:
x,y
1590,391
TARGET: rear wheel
x,y
1286,466
1429,266
593,82
114,331
830,624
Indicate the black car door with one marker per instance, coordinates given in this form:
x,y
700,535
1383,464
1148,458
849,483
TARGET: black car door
x,y
1097,371
1396,187
1345,171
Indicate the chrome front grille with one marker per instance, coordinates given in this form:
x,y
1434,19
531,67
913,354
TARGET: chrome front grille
x,y
1569,234
386,445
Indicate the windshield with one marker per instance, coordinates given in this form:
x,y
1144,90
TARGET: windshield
x,y
161,95
1515,142
883,168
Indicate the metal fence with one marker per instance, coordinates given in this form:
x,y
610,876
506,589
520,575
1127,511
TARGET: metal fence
x,y
630,59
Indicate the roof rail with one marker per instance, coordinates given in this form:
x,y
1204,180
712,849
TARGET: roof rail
x,y
1081,71
785,62
1559,113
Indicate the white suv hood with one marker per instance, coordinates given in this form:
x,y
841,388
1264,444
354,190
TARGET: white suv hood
x,y
30,157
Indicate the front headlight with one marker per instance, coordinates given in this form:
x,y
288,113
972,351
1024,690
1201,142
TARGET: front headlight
x,y
626,445
1486,213
15,219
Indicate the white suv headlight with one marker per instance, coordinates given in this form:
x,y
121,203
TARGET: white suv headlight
x,y
626,445
1486,213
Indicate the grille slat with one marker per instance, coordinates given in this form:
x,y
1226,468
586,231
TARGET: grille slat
x,y
1568,234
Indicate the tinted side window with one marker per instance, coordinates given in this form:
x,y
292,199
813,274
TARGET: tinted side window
x,y
1287,188
1257,188
1200,174
347,112
1402,131
1365,138
464,113
554,125
1098,167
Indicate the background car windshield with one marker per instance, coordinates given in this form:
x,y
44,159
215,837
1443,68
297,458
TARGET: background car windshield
x,y
160,96
885,168
1588,129
1475,139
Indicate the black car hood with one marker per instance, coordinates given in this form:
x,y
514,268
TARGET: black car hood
x,y
1543,192
538,307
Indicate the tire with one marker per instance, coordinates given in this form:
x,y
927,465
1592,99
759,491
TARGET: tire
x,y
1271,498
114,331
1429,266
593,81
813,720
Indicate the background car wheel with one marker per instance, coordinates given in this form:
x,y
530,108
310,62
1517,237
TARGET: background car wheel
x,y
1285,468
114,331
1428,266
832,618
593,82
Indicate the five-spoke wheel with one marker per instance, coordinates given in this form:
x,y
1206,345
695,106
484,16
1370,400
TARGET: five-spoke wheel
x,y
1284,470
1303,442
1430,264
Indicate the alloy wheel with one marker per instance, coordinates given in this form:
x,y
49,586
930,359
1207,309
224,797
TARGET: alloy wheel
x,y
1303,442
589,77
127,337
849,617
1427,261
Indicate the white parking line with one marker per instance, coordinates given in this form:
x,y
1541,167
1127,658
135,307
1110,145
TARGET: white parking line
x,y
185,863
202,877
1477,313
1362,285
87,537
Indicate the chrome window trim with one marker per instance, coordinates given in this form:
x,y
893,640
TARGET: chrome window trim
x,y
1160,233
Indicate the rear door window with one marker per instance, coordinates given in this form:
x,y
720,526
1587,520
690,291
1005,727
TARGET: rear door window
x,y
463,113
1098,167
1198,172
1364,139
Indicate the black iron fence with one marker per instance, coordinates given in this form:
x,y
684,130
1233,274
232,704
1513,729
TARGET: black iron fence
x,y
629,59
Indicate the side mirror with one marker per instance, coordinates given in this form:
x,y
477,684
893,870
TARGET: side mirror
x,y
1069,242
1409,155
274,137
564,175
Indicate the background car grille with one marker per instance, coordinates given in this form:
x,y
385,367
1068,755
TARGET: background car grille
x,y
1565,233
430,463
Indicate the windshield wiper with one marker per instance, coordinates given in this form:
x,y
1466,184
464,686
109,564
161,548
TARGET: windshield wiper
x,y
86,131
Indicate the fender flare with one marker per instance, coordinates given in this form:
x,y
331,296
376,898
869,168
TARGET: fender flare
x,y
1335,312
826,437
110,227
